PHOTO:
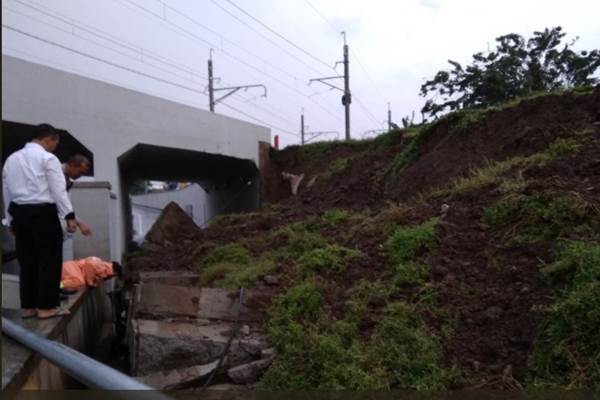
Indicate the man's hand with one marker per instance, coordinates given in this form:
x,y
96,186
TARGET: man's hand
x,y
71,226
84,228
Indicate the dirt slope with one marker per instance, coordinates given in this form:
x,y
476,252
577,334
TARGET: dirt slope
x,y
485,275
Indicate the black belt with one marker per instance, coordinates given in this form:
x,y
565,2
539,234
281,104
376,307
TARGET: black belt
x,y
37,206
14,207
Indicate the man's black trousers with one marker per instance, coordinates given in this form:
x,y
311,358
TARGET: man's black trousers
x,y
38,241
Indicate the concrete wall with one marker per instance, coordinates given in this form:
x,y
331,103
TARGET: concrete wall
x,y
93,202
110,120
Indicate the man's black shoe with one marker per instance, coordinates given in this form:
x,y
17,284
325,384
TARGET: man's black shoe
x,y
67,292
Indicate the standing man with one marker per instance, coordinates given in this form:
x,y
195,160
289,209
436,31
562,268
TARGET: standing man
x,y
77,166
35,198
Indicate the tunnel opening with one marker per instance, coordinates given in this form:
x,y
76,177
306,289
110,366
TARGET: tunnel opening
x,y
203,184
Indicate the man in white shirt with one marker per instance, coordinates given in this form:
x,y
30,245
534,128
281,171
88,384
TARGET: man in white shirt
x,y
35,198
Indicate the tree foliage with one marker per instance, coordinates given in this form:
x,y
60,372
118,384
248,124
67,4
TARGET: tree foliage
x,y
517,67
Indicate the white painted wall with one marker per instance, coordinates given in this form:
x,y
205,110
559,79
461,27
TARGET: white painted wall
x,y
109,120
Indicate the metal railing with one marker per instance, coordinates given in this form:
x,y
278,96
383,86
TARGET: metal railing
x,y
84,369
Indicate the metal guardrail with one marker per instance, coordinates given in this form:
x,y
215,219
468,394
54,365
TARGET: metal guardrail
x,y
86,370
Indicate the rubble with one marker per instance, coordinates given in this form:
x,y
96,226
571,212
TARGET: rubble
x,y
248,373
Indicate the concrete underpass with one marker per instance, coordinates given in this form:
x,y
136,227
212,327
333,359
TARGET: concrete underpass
x,y
230,184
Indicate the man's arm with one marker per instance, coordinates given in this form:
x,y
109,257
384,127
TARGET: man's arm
x,y
6,198
58,191
84,228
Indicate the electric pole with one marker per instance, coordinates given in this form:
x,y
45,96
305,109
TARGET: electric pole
x,y
346,97
346,100
389,117
302,127
313,135
230,90
211,89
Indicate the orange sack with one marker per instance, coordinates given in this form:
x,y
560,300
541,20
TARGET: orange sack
x,y
88,271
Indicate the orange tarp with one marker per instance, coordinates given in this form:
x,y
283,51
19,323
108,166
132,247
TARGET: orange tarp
x,y
88,271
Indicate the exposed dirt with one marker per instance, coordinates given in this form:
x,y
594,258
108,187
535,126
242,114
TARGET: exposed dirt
x,y
488,289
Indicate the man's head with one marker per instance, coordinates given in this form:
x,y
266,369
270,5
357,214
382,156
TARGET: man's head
x,y
77,166
46,136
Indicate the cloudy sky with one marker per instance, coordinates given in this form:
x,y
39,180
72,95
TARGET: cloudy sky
x,y
161,47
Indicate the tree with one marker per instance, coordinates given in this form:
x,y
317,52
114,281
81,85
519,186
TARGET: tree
x,y
517,67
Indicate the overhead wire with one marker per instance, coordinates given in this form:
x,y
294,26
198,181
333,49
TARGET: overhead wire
x,y
367,75
109,37
277,34
72,22
100,45
228,54
242,48
141,73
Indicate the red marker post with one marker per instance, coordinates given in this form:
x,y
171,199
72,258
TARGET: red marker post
x,y
276,142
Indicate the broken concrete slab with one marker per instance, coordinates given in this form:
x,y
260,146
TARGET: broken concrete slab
x,y
175,278
268,353
209,303
160,345
226,387
178,377
250,372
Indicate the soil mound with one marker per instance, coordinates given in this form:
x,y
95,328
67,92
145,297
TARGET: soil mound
x,y
173,225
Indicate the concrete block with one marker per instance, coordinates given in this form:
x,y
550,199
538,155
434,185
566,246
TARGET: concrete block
x,y
208,303
160,345
176,278
10,291
249,373
175,378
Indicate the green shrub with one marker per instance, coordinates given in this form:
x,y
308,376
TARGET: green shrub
x,y
318,361
539,217
406,243
403,159
235,275
338,165
334,216
300,302
409,273
330,258
578,262
298,240
230,253
405,353
567,352
319,354
390,138
232,266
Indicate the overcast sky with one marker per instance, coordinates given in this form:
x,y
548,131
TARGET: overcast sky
x,y
395,46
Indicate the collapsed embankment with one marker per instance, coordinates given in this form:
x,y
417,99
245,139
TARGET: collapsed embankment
x,y
462,254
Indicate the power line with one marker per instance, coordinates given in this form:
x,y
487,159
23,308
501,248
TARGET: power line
x,y
277,34
369,113
145,53
371,81
73,23
69,68
100,45
228,54
270,112
53,43
101,59
351,51
196,22
260,121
